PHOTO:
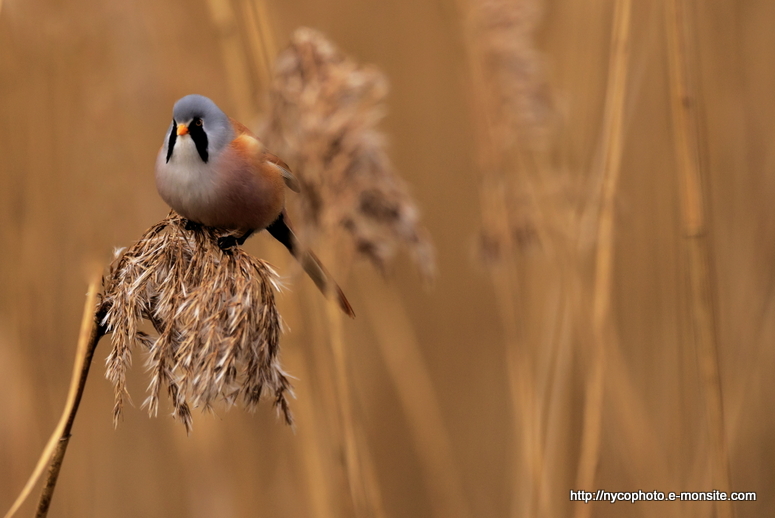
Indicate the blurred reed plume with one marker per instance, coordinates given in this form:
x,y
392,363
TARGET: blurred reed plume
x,y
323,116
511,68
215,314
513,116
529,197
513,113
324,109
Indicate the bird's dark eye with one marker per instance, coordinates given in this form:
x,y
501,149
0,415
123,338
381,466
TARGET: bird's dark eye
x,y
198,122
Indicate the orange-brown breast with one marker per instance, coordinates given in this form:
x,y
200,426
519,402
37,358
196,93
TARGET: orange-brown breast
x,y
254,189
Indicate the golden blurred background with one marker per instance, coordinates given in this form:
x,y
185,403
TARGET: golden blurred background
x,y
600,318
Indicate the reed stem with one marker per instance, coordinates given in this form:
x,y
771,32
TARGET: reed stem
x,y
55,449
361,476
602,329
408,370
697,249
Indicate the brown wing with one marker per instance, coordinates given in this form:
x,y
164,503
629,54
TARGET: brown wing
x,y
290,181
241,129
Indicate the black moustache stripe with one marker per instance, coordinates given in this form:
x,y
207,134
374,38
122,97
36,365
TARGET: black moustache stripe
x,y
171,143
199,135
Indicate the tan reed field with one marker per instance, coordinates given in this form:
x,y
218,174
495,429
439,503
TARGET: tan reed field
x,y
552,218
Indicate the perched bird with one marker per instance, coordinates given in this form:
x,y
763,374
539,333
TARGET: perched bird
x,y
212,170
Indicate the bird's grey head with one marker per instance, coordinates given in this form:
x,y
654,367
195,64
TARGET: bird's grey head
x,y
207,125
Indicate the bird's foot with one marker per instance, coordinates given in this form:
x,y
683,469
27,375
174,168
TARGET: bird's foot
x,y
227,242
241,240
191,225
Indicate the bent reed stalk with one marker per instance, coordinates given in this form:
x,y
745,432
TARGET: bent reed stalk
x,y
90,334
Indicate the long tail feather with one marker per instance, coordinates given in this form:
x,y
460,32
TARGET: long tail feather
x,y
309,261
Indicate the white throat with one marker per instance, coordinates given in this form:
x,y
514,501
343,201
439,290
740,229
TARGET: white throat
x,y
184,153
186,180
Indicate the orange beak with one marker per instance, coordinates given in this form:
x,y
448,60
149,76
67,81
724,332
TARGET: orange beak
x,y
182,129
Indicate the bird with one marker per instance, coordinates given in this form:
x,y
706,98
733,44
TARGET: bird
x,y
214,171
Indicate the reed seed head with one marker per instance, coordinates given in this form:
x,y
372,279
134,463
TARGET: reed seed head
x,y
515,120
215,314
518,101
323,117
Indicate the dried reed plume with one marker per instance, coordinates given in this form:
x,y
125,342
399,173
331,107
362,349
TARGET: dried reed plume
x,y
323,120
513,116
324,111
215,314
523,200
518,102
